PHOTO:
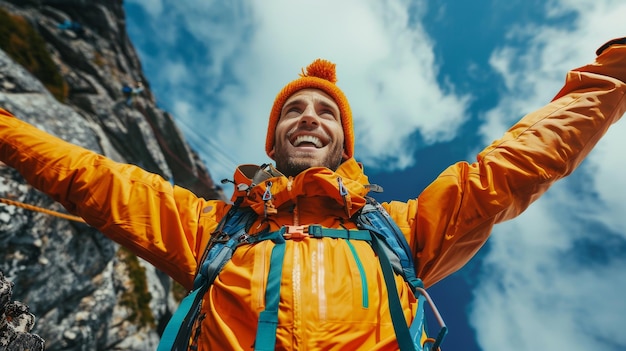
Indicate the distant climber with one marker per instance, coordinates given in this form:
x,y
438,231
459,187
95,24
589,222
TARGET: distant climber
x,y
72,26
131,92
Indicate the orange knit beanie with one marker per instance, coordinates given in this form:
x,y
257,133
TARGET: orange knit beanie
x,y
318,75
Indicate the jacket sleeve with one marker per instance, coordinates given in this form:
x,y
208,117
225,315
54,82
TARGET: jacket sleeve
x,y
140,210
453,216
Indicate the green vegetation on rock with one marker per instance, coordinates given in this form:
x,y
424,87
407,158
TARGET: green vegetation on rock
x,y
137,299
24,45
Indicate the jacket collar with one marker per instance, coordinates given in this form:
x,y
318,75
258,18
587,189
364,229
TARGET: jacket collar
x,y
263,187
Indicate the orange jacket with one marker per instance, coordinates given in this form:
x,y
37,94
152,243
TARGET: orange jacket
x,y
325,302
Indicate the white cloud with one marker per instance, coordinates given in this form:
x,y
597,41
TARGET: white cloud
x,y
251,49
608,181
554,280
385,66
539,287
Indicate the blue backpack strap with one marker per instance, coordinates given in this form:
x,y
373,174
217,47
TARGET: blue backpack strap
x,y
430,343
230,231
393,251
418,327
223,243
373,217
409,338
178,321
405,341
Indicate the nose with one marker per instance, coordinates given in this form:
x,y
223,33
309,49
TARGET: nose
x,y
309,118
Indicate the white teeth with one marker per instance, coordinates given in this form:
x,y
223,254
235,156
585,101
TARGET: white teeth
x,y
308,139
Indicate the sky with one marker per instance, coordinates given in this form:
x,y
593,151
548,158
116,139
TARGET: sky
x,y
430,83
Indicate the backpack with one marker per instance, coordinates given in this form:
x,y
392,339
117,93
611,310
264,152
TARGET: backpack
x,y
374,225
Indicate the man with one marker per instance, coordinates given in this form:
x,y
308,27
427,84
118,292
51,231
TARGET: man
x,y
332,292
130,92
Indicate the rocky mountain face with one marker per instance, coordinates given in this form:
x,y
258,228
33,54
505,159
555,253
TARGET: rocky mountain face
x,y
63,64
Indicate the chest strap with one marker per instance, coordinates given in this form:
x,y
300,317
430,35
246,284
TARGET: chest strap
x,y
312,231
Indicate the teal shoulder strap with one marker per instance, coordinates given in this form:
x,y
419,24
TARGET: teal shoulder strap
x,y
219,251
268,319
405,341
394,254
185,314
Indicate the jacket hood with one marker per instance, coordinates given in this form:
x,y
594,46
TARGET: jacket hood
x,y
264,188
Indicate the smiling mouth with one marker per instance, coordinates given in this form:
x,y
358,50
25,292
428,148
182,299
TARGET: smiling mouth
x,y
307,140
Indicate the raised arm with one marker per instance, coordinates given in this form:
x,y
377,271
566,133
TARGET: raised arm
x,y
456,213
138,209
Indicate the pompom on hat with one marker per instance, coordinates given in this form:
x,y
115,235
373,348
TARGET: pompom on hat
x,y
320,74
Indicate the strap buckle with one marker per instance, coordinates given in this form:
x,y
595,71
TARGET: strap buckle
x,y
296,232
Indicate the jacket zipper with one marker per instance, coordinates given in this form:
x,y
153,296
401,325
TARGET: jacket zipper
x,y
297,296
295,281
321,288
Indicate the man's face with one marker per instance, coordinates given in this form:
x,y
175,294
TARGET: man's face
x,y
308,133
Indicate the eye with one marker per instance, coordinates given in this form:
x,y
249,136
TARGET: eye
x,y
292,112
329,114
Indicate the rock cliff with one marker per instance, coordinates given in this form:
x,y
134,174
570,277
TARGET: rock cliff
x,y
63,64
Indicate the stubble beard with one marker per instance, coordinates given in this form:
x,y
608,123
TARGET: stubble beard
x,y
292,165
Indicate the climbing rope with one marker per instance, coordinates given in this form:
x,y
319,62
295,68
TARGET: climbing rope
x,y
42,210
